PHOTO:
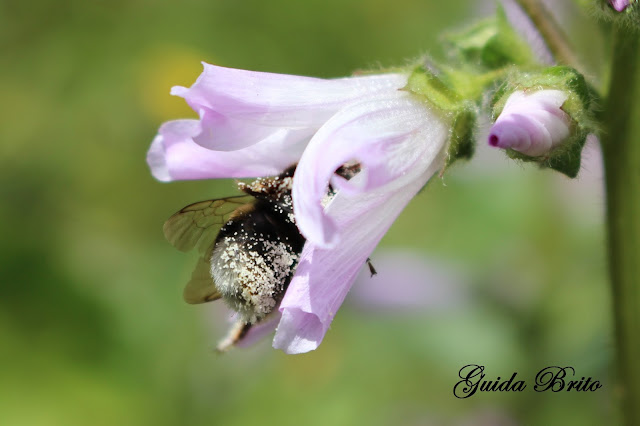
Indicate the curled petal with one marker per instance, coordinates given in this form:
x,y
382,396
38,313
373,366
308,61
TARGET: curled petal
x,y
174,155
532,124
386,136
323,276
239,108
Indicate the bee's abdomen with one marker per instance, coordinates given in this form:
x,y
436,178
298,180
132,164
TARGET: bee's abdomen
x,y
253,260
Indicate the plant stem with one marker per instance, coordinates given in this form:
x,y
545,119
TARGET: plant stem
x,y
621,150
550,31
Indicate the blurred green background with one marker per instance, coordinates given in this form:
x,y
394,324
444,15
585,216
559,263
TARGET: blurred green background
x,y
93,329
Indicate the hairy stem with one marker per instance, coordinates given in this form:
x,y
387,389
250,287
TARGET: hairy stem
x,y
551,32
622,163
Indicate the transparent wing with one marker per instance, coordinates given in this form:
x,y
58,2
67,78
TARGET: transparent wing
x,y
197,225
201,288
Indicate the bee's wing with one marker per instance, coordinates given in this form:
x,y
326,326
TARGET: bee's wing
x,y
197,226
201,288
199,223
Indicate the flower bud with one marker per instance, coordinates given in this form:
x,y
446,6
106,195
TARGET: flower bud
x,y
544,117
531,123
619,5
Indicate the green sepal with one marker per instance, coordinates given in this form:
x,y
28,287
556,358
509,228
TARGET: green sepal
x,y
580,106
581,96
629,19
490,44
438,92
461,137
564,159
425,83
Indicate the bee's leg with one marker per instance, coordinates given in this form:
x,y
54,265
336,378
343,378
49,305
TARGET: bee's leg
x,y
235,334
372,270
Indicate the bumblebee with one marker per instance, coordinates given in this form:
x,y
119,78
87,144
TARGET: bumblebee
x,y
249,247
249,244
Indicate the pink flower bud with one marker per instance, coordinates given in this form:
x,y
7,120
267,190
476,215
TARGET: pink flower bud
x,y
531,123
619,5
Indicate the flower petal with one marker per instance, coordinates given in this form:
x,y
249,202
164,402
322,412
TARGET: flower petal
x,y
386,136
174,155
239,108
619,5
279,99
531,123
323,276
222,133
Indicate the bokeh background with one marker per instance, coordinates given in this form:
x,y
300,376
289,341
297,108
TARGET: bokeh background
x,y
497,264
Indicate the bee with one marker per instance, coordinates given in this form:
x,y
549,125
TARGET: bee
x,y
249,248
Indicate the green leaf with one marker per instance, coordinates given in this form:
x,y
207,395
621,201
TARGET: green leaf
x,y
490,44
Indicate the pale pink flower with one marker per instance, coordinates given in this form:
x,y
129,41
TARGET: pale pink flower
x,y
256,124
